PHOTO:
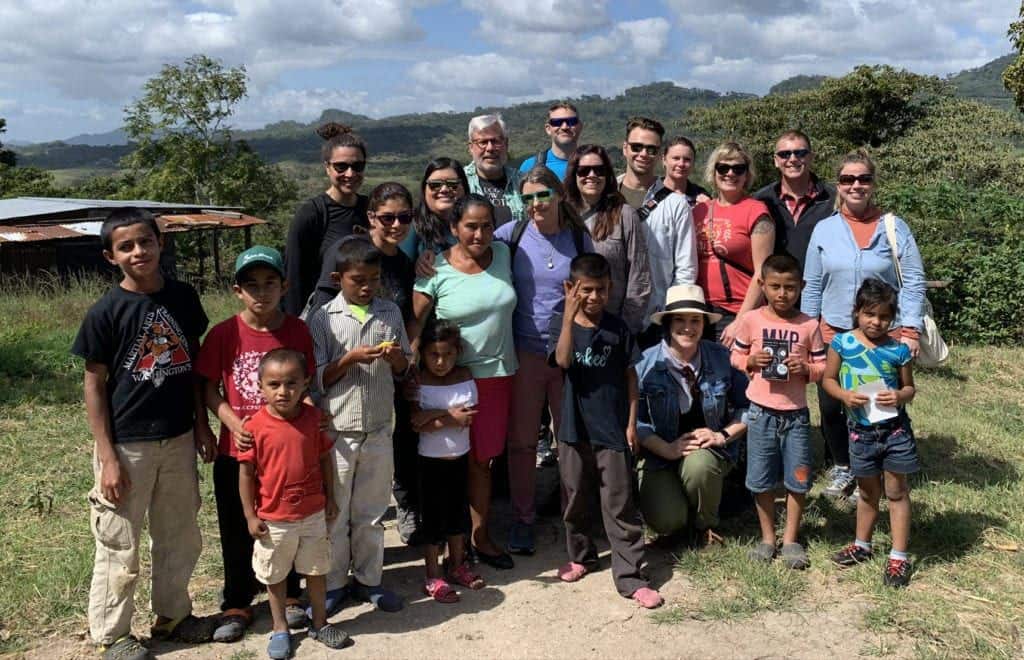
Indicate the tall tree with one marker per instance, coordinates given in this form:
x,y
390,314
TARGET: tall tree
x,y
7,157
1013,76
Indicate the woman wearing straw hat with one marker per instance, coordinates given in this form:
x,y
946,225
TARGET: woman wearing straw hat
x,y
690,426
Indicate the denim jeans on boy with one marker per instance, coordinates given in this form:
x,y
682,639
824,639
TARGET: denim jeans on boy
x,y
778,449
889,446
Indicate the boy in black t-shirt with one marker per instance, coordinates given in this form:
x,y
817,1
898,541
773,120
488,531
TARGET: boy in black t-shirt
x,y
138,342
598,431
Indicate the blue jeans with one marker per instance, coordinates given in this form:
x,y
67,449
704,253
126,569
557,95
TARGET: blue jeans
x,y
778,449
888,446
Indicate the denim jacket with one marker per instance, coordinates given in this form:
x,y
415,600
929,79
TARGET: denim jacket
x,y
723,393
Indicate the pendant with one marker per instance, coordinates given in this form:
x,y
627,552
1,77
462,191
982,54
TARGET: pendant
x,y
551,264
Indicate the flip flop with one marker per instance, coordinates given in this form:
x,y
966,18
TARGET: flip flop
x,y
572,572
440,591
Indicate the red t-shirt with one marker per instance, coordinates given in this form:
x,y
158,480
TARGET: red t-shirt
x,y
723,238
286,454
231,354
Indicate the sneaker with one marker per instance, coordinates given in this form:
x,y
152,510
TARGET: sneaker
x,y
851,555
897,572
520,539
841,482
854,496
545,449
383,599
232,625
126,648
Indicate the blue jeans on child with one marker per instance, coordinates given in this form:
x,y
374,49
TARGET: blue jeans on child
x,y
888,445
778,449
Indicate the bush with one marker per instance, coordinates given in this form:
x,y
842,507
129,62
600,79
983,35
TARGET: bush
x,y
973,239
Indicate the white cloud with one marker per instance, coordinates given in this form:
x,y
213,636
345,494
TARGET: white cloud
x,y
560,16
487,73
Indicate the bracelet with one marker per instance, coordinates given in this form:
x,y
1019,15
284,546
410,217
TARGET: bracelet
x,y
725,435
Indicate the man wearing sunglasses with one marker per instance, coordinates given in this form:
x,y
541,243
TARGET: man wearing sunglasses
x,y
489,174
563,126
799,199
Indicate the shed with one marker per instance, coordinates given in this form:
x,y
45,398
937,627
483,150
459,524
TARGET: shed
x,y
61,235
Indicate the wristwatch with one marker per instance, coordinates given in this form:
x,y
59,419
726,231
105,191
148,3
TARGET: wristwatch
x,y
725,435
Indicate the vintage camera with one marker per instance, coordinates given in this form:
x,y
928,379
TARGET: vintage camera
x,y
776,369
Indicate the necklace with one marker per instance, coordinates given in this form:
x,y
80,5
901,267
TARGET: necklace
x,y
551,255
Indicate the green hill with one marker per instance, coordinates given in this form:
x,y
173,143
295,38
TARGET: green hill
x,y
985,84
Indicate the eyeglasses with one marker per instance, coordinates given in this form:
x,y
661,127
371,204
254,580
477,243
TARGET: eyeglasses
x,y
483,143
739,169
587,170
341,166
637,147
784,154
558,122
529,199
388,219
850,179
437,184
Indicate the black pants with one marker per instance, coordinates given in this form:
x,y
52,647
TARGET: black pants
x,y
240,585
445,504
833,428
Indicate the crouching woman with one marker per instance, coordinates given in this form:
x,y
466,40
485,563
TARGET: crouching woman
x,y
690,426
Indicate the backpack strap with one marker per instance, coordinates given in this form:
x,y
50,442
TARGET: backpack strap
x,y
890,233
651,204
517,235
541,158
577,239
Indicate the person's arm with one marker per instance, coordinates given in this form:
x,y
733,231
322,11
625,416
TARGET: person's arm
x,y
810,300
219,406
762,242
205,440
422,304
247,493
114,481
573,301
633,391
327,470
647,434
301,264
398,353
638,274
905,394
911,294
830,382
816,357
685,256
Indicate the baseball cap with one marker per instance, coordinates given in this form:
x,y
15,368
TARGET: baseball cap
x,y
259,255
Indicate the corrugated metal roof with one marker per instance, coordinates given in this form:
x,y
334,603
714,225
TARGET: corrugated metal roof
x,y
30,233
18,208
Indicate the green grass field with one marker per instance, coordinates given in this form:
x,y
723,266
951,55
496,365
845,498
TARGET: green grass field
x,y
966,599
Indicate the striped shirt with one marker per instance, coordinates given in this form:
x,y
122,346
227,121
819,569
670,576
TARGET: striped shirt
x,y
363,399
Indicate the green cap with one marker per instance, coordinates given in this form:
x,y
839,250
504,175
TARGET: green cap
x,y
259,255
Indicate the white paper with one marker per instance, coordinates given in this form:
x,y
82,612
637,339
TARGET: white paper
x,y
875,412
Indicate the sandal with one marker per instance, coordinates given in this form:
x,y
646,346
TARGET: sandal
x,y
464,576
647,598
189,629
295,614
280,646
572,572
440,591
126,648
232,625
329,636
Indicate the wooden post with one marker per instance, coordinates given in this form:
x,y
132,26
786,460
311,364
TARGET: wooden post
x,y
202,265
216,255
248,237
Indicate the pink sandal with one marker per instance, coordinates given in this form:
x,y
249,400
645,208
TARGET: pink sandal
x,y
463,575
440,591
648,598
572,572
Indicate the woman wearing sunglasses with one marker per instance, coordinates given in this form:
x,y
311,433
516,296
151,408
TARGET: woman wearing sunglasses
x,y
846,249
542,246
735,234
331,215
443,184
615,230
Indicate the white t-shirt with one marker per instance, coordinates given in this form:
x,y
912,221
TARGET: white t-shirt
x,y
450,441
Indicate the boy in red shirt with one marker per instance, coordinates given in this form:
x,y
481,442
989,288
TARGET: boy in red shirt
x,y
228,360
782,350
286,484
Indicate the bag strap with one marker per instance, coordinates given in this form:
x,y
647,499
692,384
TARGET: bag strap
x,y
520,229
890,233
648,207
541,158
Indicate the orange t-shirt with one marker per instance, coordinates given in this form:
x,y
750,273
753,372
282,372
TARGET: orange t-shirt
x,y
286,454
723,240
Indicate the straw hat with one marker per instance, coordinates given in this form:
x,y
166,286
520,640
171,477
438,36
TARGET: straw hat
x,y
685,298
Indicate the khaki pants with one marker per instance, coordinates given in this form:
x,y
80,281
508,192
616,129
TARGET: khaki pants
x,y
365,467
670,499
164,486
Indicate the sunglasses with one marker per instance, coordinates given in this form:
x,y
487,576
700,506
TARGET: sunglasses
x,y
850,179
739,169
341,166
437,184
388,219
784,154
483,143
637,147
587,170
529,199
558,122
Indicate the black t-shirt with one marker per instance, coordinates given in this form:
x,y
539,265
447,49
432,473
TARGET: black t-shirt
x,y
494,191
318,223
595,401
692,191
146,342
397,275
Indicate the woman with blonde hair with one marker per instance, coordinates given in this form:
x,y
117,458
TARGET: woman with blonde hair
x,y
735,234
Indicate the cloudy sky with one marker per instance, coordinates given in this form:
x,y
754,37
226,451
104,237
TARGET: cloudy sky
x,y
70,66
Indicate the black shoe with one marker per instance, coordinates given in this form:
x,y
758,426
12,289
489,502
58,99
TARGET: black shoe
x,y
851,555
897,572
501,561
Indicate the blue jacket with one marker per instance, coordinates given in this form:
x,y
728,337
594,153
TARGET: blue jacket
x,y
836,267
723,393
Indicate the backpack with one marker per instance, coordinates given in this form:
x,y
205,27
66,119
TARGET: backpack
x,y
651,204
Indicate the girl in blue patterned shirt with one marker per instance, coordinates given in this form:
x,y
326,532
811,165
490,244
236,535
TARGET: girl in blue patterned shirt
x,y
870,373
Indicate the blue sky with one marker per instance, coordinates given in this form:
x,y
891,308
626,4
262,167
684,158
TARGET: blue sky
x,y
69,67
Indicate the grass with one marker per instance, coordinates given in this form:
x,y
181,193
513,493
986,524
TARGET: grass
x,y
966,598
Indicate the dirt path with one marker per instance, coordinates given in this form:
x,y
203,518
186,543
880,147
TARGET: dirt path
x,y
529,613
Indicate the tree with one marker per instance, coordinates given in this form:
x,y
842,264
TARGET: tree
x,y
1013,76
26,181
7,157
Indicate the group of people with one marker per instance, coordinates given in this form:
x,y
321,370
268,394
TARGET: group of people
x,y
665,334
